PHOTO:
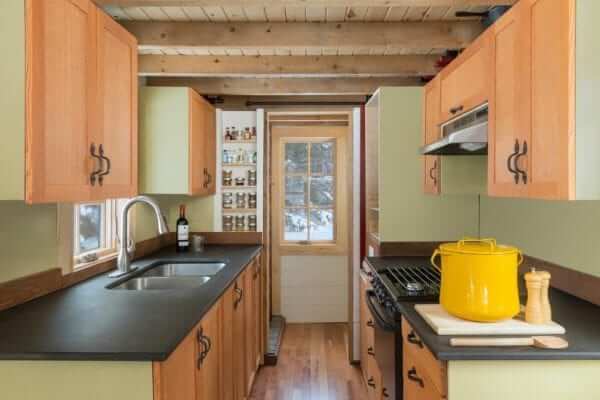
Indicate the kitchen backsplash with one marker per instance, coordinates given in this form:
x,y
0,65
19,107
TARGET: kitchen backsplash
x,y
564,233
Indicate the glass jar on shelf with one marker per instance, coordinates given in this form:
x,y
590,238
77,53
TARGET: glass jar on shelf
x,y
252,222
227,178
227,223
240,200
240,222
252,200
251,177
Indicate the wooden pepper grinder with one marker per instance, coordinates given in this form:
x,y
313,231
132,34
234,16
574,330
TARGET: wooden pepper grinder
x,y
533,309
545,297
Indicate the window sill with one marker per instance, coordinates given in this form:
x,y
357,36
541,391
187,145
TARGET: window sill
x,y
101,260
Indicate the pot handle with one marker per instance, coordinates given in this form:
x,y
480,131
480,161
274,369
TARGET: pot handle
x,y
489,241
521,259
436,253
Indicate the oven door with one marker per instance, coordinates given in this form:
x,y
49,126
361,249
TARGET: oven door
x,y
388,347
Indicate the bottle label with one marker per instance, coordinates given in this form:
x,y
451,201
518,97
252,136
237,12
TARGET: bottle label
x,y
183,232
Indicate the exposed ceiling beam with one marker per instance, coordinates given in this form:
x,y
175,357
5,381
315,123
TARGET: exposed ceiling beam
x,y
260,35
304,3
289,66
284,86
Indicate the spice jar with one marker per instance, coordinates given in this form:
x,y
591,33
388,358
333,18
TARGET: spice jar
x,y
251,177
240,200
247,133
227,200
240,222
253,134
240,181
227,223
227,178
251,222
251,200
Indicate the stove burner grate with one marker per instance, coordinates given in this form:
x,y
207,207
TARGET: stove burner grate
x,y
415,278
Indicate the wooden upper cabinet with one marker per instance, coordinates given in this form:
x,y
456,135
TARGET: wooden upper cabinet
x,y
431,133
118,101
81,93
510,105
465,83
177,142
60,107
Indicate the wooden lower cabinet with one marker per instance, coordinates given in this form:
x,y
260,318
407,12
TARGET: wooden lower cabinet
x,y
424,376
218,359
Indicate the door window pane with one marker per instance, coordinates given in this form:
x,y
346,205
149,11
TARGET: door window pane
x,y
295,191
90,227
296,158
295,224
321,191
322,158
321,225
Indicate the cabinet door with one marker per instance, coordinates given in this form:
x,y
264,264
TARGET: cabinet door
x,y
239,339
117,106
250,326
465,83
510,102
174,378
208,382
374,383
228,368
550,159
365,330
258,312
198,178
431,133
61,76
210,146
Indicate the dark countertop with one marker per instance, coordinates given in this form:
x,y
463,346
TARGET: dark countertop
x,y
90,322
580,318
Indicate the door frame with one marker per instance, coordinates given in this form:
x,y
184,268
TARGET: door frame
x,y
349,117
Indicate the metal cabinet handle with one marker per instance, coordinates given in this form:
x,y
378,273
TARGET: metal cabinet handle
x,y
205,347
457,109
384,393
371,352
371,382
509,161
370,323
107,170
517,157
414,339
432,174
413,376
94,174
240,293
205,183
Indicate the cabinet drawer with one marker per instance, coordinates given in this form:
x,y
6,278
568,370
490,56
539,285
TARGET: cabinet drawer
x,y
466,82
428,364
417,384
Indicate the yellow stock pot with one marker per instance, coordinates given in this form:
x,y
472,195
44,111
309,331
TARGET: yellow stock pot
x,y
479,279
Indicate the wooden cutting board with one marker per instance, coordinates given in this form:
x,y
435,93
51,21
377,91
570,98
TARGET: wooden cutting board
x,y
445,324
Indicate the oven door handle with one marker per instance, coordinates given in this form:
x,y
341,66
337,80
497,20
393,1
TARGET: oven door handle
x,y
387,324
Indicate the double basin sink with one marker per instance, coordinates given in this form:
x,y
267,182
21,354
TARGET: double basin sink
x,y
171,276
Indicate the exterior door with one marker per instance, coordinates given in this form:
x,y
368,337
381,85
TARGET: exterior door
x,y
117,94
61,78
310,201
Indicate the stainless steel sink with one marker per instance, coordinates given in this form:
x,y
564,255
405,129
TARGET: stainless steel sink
x,y
185,269
162,283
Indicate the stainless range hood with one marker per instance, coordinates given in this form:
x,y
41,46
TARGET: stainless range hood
x,y
464,135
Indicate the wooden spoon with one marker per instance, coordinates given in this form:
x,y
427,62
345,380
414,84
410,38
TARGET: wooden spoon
x,y
541,342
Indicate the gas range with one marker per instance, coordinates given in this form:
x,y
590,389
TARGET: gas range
x,y
404,279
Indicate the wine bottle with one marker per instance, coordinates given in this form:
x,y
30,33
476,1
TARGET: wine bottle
x,y
183,231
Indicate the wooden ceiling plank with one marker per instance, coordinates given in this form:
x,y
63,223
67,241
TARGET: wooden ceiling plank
x,y
284,86
275,14
235,13
336,14
215,14
330,65
316,14
410,35
156,14
295,14
255,14
195,13
376,14
396,14
304,3
176,14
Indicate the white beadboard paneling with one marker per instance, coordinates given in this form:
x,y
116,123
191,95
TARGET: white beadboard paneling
x,y
376,14
356,13
235,13
314,288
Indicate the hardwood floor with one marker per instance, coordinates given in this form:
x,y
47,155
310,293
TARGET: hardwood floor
x,y
313,365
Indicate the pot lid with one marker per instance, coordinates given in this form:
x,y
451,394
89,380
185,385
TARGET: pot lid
x,y
477,247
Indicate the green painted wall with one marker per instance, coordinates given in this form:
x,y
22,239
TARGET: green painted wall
x,y
407,214
28,239
76,380
163,140
523,380
566,233
12,99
